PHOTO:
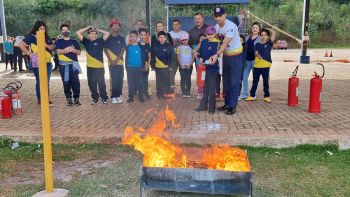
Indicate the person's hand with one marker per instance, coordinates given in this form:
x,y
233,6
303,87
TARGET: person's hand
x,y
201,60
195,54
213,59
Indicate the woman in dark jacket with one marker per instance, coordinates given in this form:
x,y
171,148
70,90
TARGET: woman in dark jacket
x,y
159,28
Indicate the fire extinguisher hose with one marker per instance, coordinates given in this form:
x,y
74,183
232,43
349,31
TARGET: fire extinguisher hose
x,y
323,70
295,72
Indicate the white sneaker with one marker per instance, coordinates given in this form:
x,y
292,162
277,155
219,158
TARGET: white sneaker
x,y
114,100
120,99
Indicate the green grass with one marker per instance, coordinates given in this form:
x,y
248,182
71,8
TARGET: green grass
x,y
306,170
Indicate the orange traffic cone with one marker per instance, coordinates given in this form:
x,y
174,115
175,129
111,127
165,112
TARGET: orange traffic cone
x,y
331,55
326,54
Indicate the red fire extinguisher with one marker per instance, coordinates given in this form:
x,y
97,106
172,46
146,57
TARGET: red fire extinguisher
x,y
201,75
293,89
16,97
6,107
315,92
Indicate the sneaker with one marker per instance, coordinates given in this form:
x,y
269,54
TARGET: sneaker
x,y
114,100
120,99
105,101
184,96
223,108
50,103
249,98
130,100
94,101
267,100
188,96
230,111
199,96
242,97
76,101
69,101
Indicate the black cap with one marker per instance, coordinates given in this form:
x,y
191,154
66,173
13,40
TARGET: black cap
x,y
92,29
161,33
219,11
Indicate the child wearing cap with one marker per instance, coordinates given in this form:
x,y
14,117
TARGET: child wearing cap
x,y
185,59
208,48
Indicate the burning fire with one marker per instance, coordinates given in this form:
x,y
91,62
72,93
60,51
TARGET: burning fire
x,y
154,143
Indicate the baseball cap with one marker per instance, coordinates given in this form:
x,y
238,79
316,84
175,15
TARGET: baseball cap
x,y
210,30
185,36
219,11
114,21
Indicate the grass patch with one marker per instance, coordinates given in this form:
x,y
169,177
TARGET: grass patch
x,y
306,170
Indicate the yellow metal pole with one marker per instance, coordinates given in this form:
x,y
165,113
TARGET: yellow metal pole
x,y
45,111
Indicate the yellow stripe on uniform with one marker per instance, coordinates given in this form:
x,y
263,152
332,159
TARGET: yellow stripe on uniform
x,y
34,48
261,63
233,52
160,64
92,62
64,58
114,57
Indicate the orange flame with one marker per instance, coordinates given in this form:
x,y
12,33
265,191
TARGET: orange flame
x,y
160,152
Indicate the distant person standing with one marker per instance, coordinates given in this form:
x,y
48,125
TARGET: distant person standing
x,y
251,41
55,55
31,41
146,59
176,35
17,54
8,49
68,50
95,66
231,49
159,28
114,49
195,37
163,60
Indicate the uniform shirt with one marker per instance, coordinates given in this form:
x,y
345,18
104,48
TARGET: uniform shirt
x,y
264,49
185,53
94,52
114,45
30,40
134,56
230,30
68,57
145,50
251,48
194,34
209,48
162,59
176,38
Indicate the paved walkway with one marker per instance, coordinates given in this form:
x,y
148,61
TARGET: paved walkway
x,y
256,123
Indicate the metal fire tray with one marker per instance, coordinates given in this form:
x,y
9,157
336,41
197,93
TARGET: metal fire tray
x,y
196,180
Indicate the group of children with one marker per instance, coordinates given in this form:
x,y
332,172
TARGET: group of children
x,y
140,57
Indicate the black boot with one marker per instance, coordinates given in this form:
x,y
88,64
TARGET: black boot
x,y
76,101
69,101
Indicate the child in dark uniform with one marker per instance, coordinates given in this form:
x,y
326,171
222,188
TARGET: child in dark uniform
x,y
208,48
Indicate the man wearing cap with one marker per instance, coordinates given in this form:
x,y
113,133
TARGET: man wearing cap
x,y
231,49
95,68
114,50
